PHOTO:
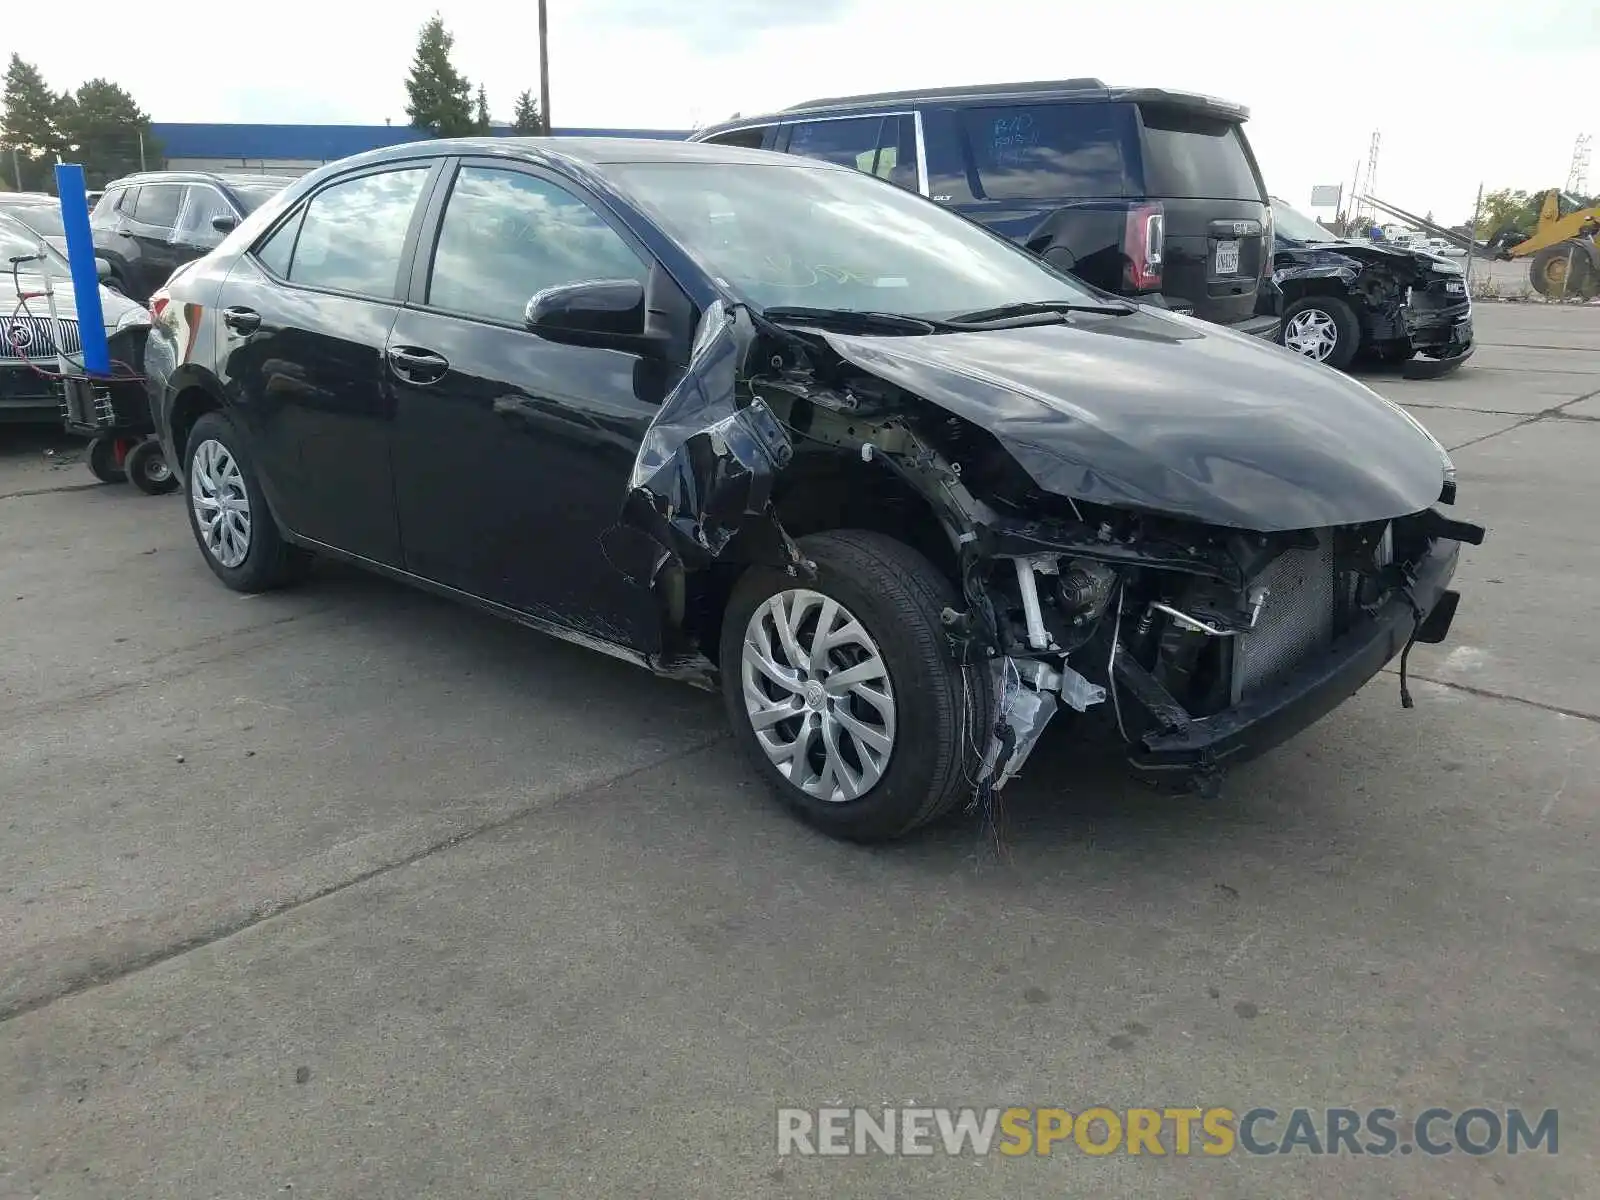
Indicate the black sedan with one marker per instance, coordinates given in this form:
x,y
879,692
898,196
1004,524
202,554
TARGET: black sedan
x,y
895,485
1339,298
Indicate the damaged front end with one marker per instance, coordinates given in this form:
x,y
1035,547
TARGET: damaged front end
x,y
1196,632
1412,307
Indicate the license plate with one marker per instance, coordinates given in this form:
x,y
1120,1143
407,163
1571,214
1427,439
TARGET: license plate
x,y
1227,258
1455,287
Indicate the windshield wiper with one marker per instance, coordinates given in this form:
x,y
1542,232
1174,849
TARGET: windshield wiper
x,y
851,320
1037,308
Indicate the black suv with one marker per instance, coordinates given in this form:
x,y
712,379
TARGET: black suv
x,y
148,225
1138,191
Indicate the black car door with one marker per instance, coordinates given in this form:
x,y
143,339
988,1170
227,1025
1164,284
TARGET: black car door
x,y
146,236
512,453
305,318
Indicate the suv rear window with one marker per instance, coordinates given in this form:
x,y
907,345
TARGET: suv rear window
x,y
1042,151
1191,156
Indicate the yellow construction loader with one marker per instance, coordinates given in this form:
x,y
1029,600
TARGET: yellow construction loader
x,y
1566,259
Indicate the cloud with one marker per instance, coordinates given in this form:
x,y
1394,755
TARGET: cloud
x,y
719,28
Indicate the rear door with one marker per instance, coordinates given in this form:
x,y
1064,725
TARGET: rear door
x,y
148,229
1199,166
305,318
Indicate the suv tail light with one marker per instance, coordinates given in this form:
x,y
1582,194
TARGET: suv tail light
x,y
1145,241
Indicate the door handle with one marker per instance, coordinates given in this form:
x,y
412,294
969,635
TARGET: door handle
x,y
417,366
241,320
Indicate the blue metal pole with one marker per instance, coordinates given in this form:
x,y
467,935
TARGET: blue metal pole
x,y
85,274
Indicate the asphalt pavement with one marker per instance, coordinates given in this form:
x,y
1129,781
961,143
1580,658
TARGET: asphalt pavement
x,y
349,892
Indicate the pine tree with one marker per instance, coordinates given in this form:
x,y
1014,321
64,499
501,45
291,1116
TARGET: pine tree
x,y
439,98
525,118
111,131
482,117
30,130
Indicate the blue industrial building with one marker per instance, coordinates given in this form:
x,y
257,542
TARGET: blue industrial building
x,y
294,149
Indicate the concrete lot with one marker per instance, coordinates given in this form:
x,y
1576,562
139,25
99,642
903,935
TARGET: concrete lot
x,y
347,892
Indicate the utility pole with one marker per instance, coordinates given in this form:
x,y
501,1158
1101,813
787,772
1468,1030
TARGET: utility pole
x,y
544,69
1578,172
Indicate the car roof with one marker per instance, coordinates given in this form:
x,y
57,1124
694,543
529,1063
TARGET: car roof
x,y
1076,90
593,152
223,179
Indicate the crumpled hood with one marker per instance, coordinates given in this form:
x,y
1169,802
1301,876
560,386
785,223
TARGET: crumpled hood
x,y
1168,414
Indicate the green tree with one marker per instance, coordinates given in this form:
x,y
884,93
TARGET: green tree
x,y
481,117
110,130
31,132
525,117
1507,211
439,98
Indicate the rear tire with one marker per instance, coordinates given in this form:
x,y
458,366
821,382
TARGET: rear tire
x,y
103,464
882,601
1321,328
148,471
237,535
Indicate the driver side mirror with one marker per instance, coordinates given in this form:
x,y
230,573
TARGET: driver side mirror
x,y
604,313
225,223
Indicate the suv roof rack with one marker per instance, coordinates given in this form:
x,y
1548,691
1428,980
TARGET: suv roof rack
x,y
1085,84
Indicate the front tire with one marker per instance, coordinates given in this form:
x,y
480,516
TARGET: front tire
x,y
228,514
148,470
1321,328
1560,271
842,691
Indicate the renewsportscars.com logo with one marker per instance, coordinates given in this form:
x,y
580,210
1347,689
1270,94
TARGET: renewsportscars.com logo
x,y
1181,1132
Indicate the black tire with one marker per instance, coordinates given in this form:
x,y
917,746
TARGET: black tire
x,y
1560,271
1342,318
269,561
148,471
103,464
942,710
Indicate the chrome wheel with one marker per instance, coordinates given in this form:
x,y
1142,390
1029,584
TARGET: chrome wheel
x,y
818,695
1311,332
221,504
158,471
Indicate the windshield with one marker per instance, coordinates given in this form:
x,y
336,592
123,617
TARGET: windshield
x,y
43,219
1297,225
253,195
792,234
18,241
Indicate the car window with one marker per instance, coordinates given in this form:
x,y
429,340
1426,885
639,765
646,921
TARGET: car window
x,y
201,203
157,205
17,241
850,143
507,235
253,195
1044,151
353,233
1189,155
796,233
276,251
750,139
881,146
107,204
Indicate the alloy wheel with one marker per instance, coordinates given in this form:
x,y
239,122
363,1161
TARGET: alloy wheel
x,y
1311,332
221,504
818,695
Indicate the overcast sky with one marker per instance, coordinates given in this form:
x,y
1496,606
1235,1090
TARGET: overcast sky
x,y
1463,91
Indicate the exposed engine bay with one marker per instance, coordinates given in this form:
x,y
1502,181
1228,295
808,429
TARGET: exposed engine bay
x,y
1192,639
